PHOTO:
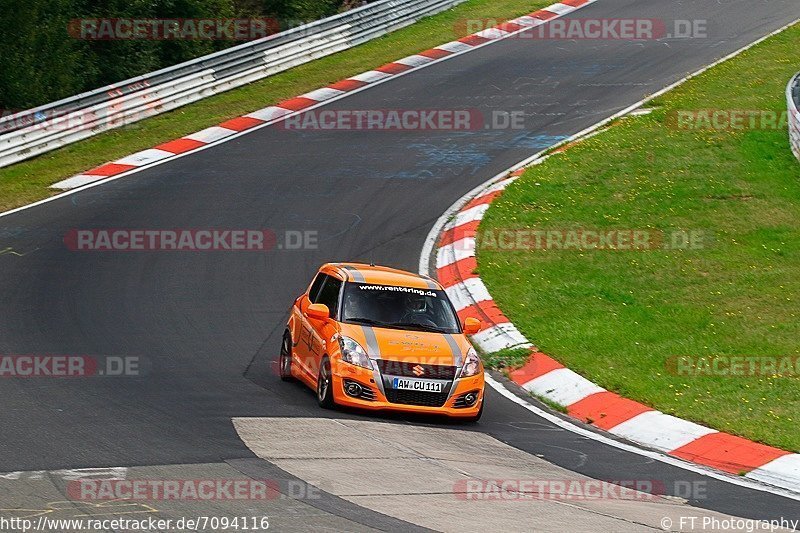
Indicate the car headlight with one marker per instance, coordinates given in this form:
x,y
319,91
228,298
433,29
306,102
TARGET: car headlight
x,y
353,353
472,364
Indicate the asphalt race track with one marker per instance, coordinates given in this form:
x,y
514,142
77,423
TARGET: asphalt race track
x,y
209,325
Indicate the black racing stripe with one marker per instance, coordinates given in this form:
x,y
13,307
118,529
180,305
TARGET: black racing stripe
x,y
451,341
373,350
358,277
431,284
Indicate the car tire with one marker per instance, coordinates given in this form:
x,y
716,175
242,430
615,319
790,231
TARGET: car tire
x,y
285,359
325,385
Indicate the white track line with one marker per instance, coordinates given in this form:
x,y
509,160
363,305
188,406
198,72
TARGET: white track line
x,y
672,461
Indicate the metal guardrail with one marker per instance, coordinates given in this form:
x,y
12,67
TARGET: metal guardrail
x,y
35,131
793,101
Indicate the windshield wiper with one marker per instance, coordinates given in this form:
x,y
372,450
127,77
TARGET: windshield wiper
x,y
369,321
398,325
415,325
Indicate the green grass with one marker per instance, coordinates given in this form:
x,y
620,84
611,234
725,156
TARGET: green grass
x,y
550,403
506,359
616,317
28,181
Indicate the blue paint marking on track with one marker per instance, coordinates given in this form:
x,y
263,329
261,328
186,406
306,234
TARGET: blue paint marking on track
x,y
437,160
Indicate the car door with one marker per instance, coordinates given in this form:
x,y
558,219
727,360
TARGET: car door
x,y
301,354
322,330
311,342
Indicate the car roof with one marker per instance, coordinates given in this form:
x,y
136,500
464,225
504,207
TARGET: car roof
x,y
381,275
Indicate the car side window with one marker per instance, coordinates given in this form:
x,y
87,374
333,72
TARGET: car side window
x,y
313,292
329,295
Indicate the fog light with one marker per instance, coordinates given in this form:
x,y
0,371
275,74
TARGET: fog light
x,y
470,398
467,400
353,389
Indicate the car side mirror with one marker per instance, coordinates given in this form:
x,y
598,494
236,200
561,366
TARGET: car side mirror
x,y
318,312
471,326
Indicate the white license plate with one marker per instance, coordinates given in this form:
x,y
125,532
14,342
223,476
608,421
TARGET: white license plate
x,y
417,384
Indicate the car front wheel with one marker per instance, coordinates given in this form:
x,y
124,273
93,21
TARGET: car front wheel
x,y
325,385
285,360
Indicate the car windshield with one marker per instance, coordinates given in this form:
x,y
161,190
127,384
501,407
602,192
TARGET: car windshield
x,y
399,307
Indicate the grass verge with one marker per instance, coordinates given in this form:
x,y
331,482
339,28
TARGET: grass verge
x,y
620,318
507,359
27,181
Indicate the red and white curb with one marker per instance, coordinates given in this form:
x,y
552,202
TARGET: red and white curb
x,y
335,91
544,377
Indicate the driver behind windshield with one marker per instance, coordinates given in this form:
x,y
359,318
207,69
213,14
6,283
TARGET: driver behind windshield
x,y
398,307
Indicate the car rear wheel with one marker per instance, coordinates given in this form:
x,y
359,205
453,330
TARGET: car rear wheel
x,y
325,385
285,360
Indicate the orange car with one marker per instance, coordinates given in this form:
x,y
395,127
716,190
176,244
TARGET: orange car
x,y
377,338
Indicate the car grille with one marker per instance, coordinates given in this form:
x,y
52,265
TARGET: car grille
x,y
401,368
409,397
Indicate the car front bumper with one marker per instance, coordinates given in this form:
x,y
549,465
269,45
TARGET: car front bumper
x,y
369,379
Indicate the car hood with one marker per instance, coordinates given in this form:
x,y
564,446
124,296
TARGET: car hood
x,y
409,346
